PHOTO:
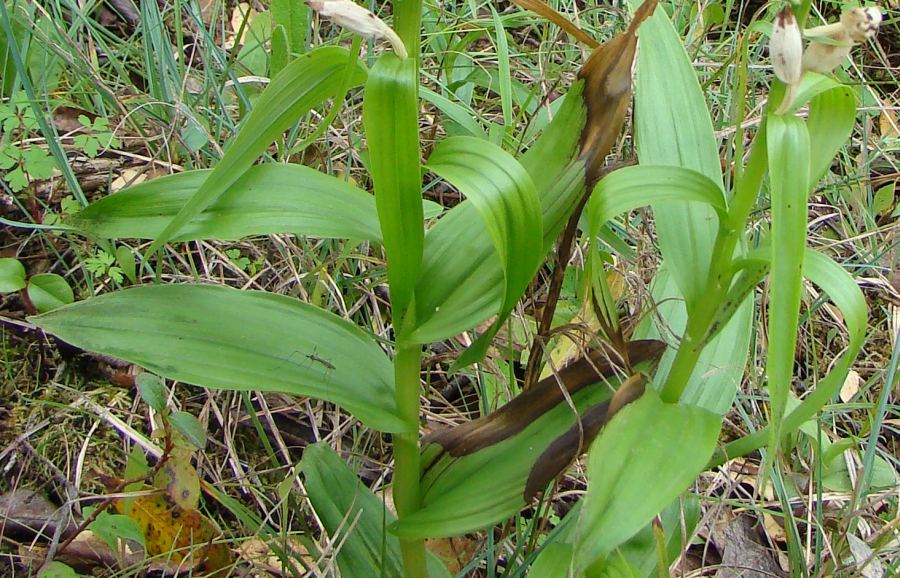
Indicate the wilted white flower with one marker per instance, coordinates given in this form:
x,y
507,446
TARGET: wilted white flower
x,y
786,47
861,23
856,25
352,16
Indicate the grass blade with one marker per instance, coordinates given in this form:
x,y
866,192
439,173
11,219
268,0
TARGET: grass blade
x,y
267,199
503,194
305,83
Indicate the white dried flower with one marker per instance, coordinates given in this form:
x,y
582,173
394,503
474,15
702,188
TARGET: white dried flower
x,y
786,47
352,16
856,25
861,23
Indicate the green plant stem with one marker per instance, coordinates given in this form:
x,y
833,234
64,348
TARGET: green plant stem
x,y
407,23
407,365
720,272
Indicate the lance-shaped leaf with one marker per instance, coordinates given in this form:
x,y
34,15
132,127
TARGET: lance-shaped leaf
x,y
632,187
224,338
267,199
832,115
673,127
392,132
788,150
569,154
462,256
503,193
840,286
303,84
645,457
354,517
486,470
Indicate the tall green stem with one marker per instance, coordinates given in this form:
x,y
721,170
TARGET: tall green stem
x,y
407,23
720,271
407,364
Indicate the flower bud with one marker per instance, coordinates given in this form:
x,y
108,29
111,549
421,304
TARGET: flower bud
x,y
786,47
354,17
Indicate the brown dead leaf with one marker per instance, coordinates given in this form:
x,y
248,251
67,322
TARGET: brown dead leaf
x,y
864,561
241,13
86,553
28,514
851,386
260,555
607,93
455,552
743,555
65,118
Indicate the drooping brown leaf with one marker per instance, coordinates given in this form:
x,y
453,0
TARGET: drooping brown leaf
x,y
568,446
27,514
543,9
607,92
515,416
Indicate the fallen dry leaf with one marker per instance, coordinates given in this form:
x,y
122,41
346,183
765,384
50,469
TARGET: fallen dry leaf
x,y
28,514
743,556
851,386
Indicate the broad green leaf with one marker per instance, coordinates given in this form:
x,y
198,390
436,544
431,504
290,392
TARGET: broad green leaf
x,y
304,84
673,127
832,115
239,340
48,291
267,199
355,517
503,193
843,291
12,275
152,390
392,131
280,53
788,150
632,187
459,252
678,519
126,262
644,458
502,45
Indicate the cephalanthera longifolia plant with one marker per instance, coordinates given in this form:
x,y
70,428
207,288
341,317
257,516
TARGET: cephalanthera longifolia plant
x,y
652,404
